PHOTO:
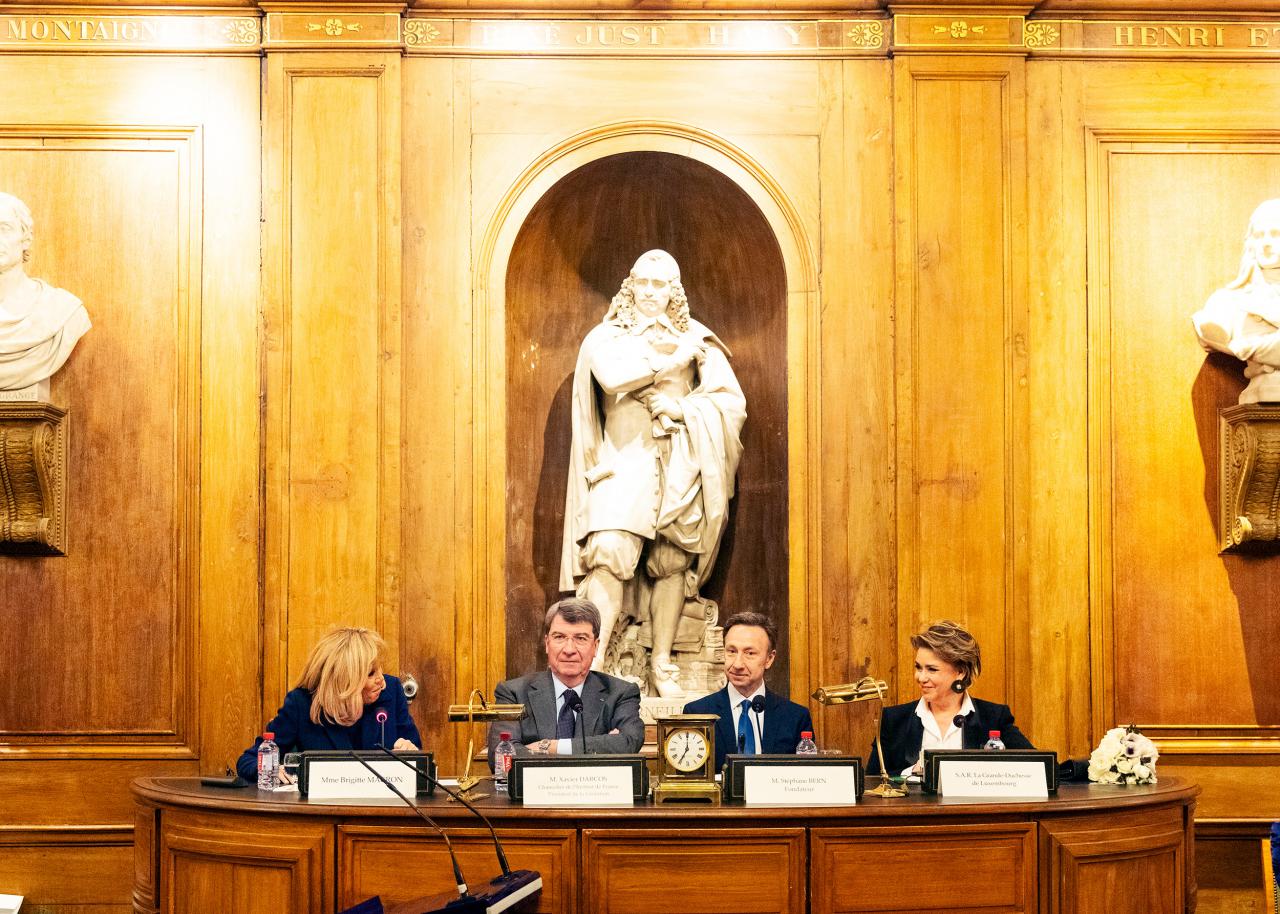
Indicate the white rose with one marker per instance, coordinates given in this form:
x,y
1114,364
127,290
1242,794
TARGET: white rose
x,y
1142,771
1125,765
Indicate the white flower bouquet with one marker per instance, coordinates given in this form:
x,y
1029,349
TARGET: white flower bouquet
x,y
1124,756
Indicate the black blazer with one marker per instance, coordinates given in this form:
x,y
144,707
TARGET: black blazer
x,y
902,733
783,722
296,733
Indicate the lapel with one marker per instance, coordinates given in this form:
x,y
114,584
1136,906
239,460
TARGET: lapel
x,y
913,739
593,694
975,730
771,722
542,705
726,738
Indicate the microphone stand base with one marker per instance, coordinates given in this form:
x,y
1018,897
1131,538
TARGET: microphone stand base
x,y
887,791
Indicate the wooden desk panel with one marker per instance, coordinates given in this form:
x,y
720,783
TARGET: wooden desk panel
x,y
694,871
1088,849
925,867
404,863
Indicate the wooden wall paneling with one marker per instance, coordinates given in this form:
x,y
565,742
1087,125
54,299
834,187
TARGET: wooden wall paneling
x,y
68,869
877,869
332,353
400,864
961,358
288,869
849,630
445,635
1091,858
699,871
1154,445
1058,573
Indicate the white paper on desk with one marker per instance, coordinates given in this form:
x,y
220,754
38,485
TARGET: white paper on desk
x,y
799,785
998,778
578,785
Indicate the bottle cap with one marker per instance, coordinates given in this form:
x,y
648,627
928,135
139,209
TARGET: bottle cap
x,y
806,734
994,734
268,735
505,735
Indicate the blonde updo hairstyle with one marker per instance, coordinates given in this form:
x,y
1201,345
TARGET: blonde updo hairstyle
x,y
336,671
952,644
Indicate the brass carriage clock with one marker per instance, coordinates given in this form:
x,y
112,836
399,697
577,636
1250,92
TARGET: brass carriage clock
x,y
687,759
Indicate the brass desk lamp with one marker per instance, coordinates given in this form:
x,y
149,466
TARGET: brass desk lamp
x,y
478,711
865,689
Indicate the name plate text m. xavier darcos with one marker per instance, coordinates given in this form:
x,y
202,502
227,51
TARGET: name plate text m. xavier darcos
x,y
800,785
578,785
995,778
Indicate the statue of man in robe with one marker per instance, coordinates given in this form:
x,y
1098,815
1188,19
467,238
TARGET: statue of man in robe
x,y
39,323
656,418
1243,317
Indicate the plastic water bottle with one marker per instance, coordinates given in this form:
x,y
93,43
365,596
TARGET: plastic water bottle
x,y
268,762
993,740
806,746
503,753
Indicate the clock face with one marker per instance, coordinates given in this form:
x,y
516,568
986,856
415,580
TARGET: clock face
x,y
686,750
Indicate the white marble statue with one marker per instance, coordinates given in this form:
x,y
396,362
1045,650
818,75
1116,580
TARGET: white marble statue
x,y
1243,317
39,324
656,415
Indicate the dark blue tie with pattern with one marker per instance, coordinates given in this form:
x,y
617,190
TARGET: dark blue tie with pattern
x,y
564,723
746,736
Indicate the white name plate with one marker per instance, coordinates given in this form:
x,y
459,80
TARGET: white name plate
x,y
578,785
799,785
998,779
346,779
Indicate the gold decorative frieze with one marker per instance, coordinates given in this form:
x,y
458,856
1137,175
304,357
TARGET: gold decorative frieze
x,y
1154,38
912,32
298,29
33,489
78,33
1249,476
647,37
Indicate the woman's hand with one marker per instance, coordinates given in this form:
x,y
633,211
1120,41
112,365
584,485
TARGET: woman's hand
x,y
403,745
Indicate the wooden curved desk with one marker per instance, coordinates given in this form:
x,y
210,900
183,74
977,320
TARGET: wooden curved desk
x,y
1103,849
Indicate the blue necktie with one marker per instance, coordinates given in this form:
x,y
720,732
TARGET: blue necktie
x,y
564,723
746,736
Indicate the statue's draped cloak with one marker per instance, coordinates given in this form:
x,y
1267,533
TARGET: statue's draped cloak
x,y
34,346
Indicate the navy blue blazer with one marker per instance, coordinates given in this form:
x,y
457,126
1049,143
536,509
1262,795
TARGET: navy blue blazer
x,y
296,733
902,733
783,722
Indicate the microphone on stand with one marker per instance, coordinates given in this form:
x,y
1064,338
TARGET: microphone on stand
x,y
574,701
461,903
505,892
757,706
381,718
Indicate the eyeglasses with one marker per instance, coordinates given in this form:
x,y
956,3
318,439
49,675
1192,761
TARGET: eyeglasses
x,y
560,639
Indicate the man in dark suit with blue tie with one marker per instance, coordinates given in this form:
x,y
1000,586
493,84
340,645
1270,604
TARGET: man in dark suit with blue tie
x,y
753,720
570,708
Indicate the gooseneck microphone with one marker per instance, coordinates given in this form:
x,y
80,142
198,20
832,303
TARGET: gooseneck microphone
x,y
506,892
960,719
757,707
381,718
574,701
457,869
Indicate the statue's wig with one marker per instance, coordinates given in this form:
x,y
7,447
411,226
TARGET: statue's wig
x,y
623,307
1267,213
25,221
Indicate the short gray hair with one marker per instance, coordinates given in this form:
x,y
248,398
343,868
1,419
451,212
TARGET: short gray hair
x,y
573,610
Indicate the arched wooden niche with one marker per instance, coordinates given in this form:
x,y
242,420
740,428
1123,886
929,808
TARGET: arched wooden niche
x,y
568,260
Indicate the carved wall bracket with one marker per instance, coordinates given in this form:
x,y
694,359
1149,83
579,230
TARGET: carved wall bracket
x,y
1249,476
33,490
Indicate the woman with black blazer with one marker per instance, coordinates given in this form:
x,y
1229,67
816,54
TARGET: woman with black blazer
x,y
945,716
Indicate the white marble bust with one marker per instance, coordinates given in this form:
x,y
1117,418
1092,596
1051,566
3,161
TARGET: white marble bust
x,y
1243,317
39,323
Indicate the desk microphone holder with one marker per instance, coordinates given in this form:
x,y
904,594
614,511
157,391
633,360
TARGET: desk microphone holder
x,y
865,689
478,711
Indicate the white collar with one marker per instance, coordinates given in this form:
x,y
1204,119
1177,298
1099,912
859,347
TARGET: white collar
x,y
643,323
561,688
931,724
736,698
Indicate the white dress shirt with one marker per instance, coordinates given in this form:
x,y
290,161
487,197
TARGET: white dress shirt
x,y
757,720
933,737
